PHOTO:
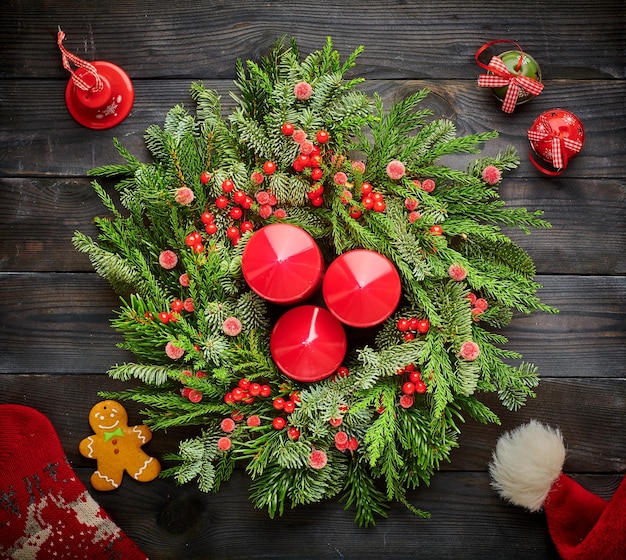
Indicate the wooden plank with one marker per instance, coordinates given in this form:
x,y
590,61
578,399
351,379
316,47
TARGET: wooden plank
x,y
402,39
67,399
65,318
29,146
39,216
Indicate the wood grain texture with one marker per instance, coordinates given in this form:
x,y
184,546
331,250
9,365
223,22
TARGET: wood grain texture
x,y
402,39
55,331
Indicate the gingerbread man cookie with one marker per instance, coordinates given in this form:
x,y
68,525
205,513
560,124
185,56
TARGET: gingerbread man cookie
x,y
117,447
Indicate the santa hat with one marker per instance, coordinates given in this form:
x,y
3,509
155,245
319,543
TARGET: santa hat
x,y
526,470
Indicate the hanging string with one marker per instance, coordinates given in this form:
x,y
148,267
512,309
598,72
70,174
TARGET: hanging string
x,y
70,58
490,44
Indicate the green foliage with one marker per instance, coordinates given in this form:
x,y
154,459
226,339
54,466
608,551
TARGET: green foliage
x,y
197,330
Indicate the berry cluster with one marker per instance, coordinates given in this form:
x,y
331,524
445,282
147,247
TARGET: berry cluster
x,y
246,391
193,395
479,305
345,442
409,327
412,384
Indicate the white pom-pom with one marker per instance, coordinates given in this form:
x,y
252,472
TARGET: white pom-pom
x,y
526,462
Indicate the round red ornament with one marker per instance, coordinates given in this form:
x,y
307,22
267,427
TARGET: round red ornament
x,y
361,288
556,136
282,263
308,344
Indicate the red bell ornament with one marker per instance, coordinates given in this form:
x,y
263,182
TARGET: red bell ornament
x,y
307,343
282,264
99,94
556,136
361,288
514,76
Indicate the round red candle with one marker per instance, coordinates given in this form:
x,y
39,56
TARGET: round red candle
x,y
308,344
282,263
361,288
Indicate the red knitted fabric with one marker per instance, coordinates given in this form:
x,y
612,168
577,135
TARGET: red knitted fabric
x,y
45,511
582,525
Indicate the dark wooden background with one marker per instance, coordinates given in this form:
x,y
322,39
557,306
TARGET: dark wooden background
x,y
55,341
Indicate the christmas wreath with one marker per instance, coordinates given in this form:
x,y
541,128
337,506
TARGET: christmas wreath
x,y
374,409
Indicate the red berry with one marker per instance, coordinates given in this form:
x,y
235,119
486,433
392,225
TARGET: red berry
x,y
403,325
322,136
205,177
177,305
420,387
428,185
246,226
415,377
336,421
192,239
239,197
269,167
317,202
353,443
408,388
221,202
423,325
379,206
287,129
195,396
355,212
293,433
278,403
343,371
247,202
254,389
279,423
235,213
232,232
244,383
317,173
224,443
413,324
366,188
266,391
315,160
304,160
238,393
289,407
164,316
368,202
227,185
206,218
436,229
198,248
211,229
228,398
408,336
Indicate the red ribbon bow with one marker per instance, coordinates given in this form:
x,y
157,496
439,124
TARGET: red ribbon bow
x,y
501,76
559,143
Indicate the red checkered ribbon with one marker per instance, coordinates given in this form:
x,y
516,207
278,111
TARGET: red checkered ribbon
x,y
69,59
559,144
500,76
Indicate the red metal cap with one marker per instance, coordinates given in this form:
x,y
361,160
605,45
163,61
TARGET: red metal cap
x,y
282,263
308,344
361,288
105,108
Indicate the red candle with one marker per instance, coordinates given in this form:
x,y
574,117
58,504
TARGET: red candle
x,y
282,263
361,288
308,344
